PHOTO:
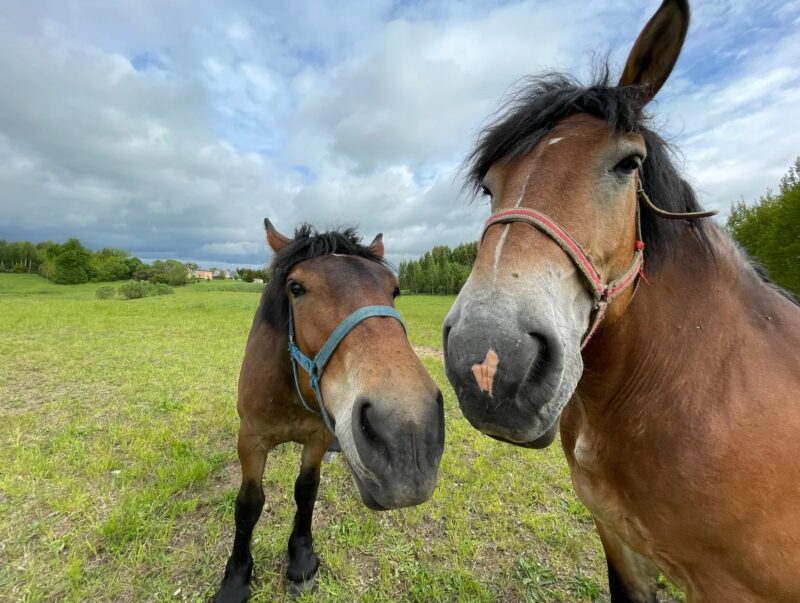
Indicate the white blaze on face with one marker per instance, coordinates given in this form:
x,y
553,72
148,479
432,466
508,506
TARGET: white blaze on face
x,y
498,251
485,371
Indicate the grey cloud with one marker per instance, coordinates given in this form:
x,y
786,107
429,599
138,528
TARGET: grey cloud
x,y
360,115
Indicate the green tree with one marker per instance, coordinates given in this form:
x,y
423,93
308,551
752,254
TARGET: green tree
x,y
769,230
176,273
73,263
110,265
19,256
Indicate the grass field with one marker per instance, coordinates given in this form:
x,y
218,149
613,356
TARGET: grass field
x,y
117,432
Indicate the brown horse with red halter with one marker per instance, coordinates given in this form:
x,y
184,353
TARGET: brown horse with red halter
x,y
328,356
676,393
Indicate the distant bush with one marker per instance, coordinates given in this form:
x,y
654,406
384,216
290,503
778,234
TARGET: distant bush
x,y
248,275
139,289
133,290
160,289
170,272
106,292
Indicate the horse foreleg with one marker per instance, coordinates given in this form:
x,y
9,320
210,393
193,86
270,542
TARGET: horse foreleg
x,y
631,577
303,562
249,503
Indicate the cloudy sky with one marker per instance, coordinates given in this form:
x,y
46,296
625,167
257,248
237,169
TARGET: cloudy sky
x,y
171,128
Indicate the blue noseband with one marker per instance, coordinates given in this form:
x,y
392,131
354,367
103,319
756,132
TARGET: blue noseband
x,y
315,367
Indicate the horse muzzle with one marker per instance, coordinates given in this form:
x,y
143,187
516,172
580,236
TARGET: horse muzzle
x,y
507,370
397,458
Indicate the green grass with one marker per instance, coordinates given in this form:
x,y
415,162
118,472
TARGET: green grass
x,y
117,448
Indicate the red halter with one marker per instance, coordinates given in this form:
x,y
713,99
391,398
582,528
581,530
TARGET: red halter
x,y
602,292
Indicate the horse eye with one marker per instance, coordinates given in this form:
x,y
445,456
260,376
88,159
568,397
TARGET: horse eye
x,y
485,191
296,289
628,165
396,292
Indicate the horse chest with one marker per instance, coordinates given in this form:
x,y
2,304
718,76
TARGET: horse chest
x,y
595,485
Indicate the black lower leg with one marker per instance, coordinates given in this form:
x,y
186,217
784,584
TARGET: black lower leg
x,y
303,563
235,584
620,593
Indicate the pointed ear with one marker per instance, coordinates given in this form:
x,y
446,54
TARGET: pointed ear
x,y
376,246
657,48
276,240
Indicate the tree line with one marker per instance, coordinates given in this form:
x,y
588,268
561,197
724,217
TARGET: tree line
x,y
769,230
439,271
71,263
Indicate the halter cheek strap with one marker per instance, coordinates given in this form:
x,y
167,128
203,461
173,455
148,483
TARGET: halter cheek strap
x,y
314,367
602,292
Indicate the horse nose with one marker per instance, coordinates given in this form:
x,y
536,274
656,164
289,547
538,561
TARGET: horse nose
x,y
388,442
505,367
522,353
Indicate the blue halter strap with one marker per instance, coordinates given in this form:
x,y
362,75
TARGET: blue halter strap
x,y
315,366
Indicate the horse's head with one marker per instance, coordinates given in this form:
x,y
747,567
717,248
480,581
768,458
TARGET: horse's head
x,y
387,411
571,158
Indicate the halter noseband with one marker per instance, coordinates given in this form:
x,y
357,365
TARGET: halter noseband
x,y
315,366
602,292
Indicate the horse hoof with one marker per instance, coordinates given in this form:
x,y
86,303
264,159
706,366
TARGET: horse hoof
x,y
304,586
236,594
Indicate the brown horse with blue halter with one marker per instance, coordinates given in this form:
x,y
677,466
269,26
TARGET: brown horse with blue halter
x,y
677,394
328,310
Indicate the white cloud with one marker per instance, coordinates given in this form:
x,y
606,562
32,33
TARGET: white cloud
x,y
736,134
336,114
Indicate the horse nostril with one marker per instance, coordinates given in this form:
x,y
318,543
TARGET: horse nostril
x,y
540,356
368,430
364,423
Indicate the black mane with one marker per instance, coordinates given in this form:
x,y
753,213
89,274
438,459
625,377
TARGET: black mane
x,y
307,244
539,103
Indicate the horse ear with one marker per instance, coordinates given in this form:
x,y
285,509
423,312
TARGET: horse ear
x,y
276,240
376,246
657,48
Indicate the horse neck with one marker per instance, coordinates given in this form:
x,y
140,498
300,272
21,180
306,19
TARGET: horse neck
x,y
703,304
267,346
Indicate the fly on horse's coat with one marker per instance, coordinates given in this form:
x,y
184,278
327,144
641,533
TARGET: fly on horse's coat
x,y
328,353
678,394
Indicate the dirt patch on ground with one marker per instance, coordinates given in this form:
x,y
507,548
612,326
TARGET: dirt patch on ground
x,y
424,350
21,394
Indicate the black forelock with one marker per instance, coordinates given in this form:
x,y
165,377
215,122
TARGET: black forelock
x,y
307,244
535,107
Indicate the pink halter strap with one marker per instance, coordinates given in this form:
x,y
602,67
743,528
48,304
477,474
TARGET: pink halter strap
x,y
602,292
